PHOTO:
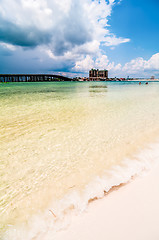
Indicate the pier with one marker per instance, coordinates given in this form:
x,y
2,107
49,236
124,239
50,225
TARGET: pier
x,y
32,78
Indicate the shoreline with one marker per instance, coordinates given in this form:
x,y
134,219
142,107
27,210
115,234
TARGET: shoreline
x,y
81,80
109,203
128,212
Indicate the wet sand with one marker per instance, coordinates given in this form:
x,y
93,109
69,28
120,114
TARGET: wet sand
x,y
130,212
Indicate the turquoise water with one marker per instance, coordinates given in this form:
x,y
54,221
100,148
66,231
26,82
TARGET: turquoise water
x,y
57,138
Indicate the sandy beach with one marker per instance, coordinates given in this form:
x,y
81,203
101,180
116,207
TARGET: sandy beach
x,y
71,142
129,212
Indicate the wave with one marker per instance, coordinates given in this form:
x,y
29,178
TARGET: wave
x,y
58,216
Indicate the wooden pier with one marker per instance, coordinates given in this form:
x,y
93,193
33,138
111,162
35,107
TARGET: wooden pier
x,y
32,78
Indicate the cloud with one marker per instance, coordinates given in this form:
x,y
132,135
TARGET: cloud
x,y
114,41
6,49
153,62
140,65
84,65
101,62
60,25
30,23
64,35
7,46
20,22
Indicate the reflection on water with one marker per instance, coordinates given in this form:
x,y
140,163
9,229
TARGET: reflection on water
x,y
97,90
98,86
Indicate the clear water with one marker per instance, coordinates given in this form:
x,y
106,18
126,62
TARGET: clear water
x,y
56,138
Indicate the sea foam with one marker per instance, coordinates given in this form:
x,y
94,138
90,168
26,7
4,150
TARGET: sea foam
x,y
58,216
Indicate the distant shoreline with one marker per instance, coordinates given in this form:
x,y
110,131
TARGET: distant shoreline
x,y
142,81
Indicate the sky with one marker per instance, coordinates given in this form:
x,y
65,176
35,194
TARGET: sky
x,y
69,37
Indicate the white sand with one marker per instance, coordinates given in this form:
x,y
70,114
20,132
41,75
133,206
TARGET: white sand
x,y
129,213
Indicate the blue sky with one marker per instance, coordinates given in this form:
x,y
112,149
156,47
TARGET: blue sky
x,y
70,37
139,20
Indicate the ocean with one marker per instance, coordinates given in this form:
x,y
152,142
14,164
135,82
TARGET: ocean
x,y
63,144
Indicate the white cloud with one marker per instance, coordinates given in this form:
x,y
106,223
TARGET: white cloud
x,y
101,62
136,68
114,41
135,65
153,62
140,65
84,65
62,26
71,31
8,46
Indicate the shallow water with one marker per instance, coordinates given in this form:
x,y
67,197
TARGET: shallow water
x,y
56,138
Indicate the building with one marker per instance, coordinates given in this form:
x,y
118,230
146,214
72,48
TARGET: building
x,y
98,75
